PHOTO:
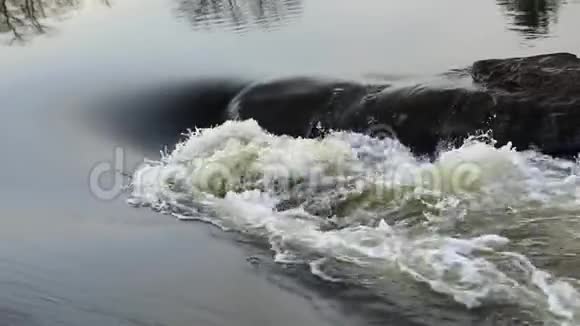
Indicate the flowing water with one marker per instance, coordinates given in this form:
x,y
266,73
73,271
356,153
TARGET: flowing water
x,y
344,229
481,225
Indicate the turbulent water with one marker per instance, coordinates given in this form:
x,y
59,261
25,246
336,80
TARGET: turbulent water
x,y
481,225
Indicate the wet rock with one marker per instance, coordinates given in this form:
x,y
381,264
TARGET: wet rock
x,y
295,106
423,117
534,102
537,100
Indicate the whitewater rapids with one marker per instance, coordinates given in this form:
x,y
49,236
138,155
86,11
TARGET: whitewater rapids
x,y
479,224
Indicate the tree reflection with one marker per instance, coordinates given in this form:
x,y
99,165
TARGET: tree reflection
x,y
24,19
238,15
532,18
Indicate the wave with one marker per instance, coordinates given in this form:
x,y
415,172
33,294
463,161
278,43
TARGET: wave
x,y
474,224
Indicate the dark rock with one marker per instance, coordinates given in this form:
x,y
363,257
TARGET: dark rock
x,y
537,101
541,77
533,102
295,106
422,117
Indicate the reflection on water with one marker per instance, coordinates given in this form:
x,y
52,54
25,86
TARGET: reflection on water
x,y
239,15
532,18
21,20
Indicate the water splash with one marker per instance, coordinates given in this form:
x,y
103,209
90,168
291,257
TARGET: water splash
x,y
460,224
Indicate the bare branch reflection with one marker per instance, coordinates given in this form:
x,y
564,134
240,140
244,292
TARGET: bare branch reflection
x,y
532,18
239,15
21,20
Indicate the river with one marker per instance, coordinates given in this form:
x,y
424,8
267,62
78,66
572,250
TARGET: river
x,y
81,81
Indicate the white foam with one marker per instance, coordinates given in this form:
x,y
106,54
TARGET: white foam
x,y
239,177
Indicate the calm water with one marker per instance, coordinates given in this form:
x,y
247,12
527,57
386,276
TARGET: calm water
x,y
70,258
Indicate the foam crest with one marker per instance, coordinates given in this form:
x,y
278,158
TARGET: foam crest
x,y
365,202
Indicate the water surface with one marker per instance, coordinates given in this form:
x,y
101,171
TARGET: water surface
x,y
68,257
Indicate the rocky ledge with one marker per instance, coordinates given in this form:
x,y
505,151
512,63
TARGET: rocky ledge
x,y
533,102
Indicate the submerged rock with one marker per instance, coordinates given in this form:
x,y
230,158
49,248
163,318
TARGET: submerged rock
x,y
297,106
534,102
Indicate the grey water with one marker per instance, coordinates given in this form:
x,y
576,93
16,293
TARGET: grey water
x,y
69,256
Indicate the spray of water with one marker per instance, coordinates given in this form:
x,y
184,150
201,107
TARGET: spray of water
x,y
461,224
